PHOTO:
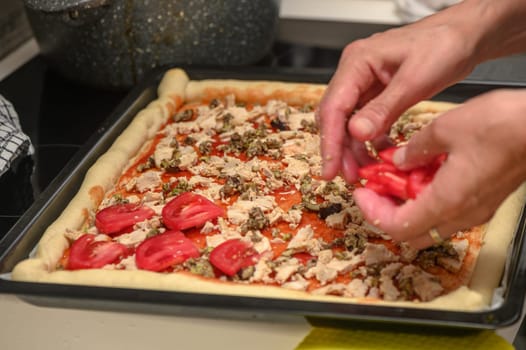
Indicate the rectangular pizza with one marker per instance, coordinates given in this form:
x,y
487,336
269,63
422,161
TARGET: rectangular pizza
x,y
215,187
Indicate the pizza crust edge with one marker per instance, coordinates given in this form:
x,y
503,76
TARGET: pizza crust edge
x,y
175,88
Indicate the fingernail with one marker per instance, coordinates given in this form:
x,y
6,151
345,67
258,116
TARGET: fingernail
x,y
325,160
364,127
399,156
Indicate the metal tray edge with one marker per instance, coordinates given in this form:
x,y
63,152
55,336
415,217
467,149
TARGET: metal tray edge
x,y
149,301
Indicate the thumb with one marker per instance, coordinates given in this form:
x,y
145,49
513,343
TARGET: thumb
x,y
377,116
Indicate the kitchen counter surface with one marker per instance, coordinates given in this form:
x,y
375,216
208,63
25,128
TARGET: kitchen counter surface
x,y
25,326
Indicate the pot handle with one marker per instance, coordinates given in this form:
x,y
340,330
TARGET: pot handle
x,y
64,5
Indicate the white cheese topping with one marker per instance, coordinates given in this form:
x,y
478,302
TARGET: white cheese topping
x,y
286,270
236,167
425,285
345,265
295,169
378,254
331,289
238,212
297,282
148,181
133,238
188,157
304,241
296,120
163,151
454,264
356,288
262,272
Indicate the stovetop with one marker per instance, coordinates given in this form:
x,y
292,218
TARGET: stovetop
x,y
60,115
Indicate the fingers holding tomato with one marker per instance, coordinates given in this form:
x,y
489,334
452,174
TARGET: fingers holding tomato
x,y
387,198
386,179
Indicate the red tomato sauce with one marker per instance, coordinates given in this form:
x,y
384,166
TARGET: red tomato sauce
x,y
286,197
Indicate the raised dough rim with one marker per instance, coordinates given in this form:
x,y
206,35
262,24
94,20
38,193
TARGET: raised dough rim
x,y
35,269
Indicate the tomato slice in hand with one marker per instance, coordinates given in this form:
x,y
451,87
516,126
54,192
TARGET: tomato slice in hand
x,y
387,180
233,255
394,184
387,154
371,170
189,210
377,187
418,180
86,253
118,218
160,252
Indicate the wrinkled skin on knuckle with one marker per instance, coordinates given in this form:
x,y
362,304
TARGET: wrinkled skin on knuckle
x,y
376,112
348,51
357,46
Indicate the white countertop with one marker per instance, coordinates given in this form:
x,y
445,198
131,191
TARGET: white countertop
x,y
24,326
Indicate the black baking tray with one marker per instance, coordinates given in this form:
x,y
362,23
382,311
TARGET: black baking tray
x,y
18,243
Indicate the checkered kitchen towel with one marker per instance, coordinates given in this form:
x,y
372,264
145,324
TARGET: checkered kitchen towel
x,y
13,141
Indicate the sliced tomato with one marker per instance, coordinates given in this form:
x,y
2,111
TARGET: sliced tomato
x,y
168,249
418,179
387,154
120,218
373,169
377,187
421,177
86,253
189,210
396,184
387,180
233,255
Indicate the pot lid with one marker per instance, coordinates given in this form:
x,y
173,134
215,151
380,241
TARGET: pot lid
x,y
64,5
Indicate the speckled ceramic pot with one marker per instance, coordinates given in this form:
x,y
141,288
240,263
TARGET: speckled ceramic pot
x,y
114,43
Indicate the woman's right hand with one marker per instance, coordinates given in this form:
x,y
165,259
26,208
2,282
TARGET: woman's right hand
x,y
384,75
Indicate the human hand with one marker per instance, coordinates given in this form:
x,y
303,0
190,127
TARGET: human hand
x,y
485,140
384,75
